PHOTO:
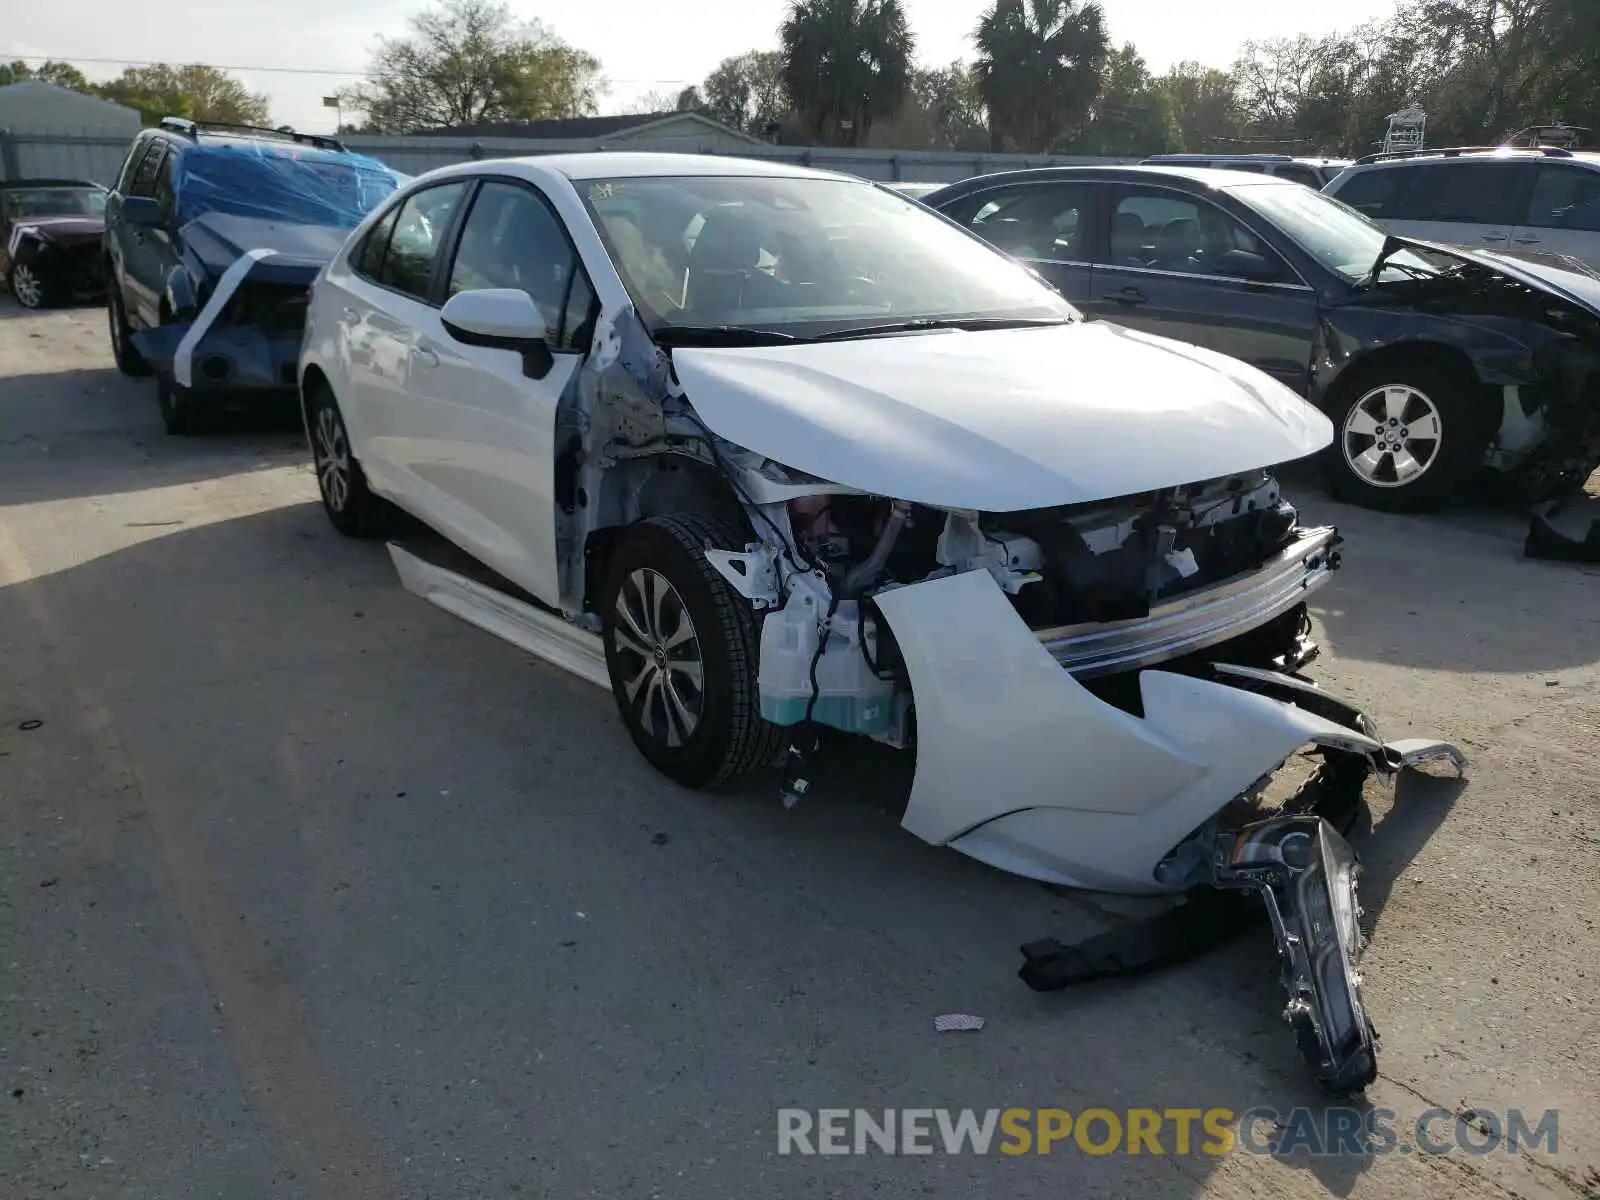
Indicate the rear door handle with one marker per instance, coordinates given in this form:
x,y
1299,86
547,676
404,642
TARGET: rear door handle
x,y
1128,295
426,357
1494,237
1528,241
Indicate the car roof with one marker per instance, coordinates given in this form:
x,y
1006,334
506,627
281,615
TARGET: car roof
x,y
1585,158
1212,177
626,164
1307,159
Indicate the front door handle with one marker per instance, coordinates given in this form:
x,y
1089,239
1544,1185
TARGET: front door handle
x,y
1494,237
1529,241
426,357
1129,296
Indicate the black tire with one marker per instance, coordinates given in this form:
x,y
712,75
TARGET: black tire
x,y
352,507
178,414
1464,414
30,287
729,737
129,360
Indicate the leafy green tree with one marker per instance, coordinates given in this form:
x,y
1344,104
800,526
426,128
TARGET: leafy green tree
x,y
62,74
748,91
199,93
1038,69
1205,110
1132,116
847,63
469,62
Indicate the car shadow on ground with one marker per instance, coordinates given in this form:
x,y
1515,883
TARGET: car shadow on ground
x,y
92,432
400,797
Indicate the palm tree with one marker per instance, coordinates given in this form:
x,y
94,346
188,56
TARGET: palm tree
x,y
1039,68
846,63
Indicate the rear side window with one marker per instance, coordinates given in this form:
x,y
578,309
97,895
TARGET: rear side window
x,y
415,238
368,260
511,239
1036,220
1565,197
1375,193
1464,192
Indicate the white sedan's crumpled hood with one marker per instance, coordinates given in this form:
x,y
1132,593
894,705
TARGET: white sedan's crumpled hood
x,y
1001,420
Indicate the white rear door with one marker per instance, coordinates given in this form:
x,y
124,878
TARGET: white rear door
x,y
1473,202
386,293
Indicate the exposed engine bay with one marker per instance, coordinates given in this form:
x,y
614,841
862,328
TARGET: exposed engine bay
x,y
1107,587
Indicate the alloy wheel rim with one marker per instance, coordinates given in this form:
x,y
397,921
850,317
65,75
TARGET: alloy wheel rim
x,y
658,651
333,459
1391,436
25,285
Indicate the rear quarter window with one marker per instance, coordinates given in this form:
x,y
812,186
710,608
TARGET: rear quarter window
x,y
1376,192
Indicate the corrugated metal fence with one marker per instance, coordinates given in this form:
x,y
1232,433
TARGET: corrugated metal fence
x,y
97,156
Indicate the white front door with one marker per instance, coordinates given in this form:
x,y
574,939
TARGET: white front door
x,y
489,446
1563,217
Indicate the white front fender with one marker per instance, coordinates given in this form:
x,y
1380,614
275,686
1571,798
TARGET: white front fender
x,y
1020,766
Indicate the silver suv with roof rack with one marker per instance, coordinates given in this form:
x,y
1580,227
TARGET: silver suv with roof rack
x,y
1540,202
1313,172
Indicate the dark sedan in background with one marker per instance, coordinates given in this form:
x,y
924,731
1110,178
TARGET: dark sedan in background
x,y
50,234
1432,362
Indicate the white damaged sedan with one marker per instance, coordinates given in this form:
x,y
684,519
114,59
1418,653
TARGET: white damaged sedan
x,y
768,450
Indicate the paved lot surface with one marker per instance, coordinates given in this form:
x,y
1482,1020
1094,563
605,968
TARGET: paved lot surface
x,y
308,889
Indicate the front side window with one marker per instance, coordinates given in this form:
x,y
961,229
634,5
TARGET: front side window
x,y
1464,192
1565,197
144,177
801,256
1038,220
1167,231
511,239
418,234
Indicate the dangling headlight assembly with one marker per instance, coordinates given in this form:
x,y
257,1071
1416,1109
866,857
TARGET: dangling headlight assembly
x,y
1306,875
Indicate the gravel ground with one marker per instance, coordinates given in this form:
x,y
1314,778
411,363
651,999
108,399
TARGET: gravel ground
x,y
308,889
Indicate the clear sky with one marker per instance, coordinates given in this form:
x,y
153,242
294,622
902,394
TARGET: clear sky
x,y
645,45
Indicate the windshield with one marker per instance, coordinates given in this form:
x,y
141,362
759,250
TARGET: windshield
x,y
1336,235
280,183
55,202
802,257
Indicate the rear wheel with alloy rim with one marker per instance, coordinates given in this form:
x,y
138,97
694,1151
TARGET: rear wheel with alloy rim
x,y
351,506
1408,437
27,285
683,653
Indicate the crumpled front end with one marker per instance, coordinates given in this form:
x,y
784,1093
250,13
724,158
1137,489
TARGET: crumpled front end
x,y
245,338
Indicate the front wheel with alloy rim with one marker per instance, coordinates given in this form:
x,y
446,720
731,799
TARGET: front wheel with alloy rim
x,y
683,652
1408,437
129,360
27,285
351,506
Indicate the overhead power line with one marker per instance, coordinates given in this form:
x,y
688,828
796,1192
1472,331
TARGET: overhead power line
x,y
134,62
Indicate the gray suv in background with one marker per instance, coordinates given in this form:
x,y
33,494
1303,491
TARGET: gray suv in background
x,y
1542,203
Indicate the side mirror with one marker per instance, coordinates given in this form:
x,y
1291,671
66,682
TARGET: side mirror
x,y
500,319
145,211
1242,263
